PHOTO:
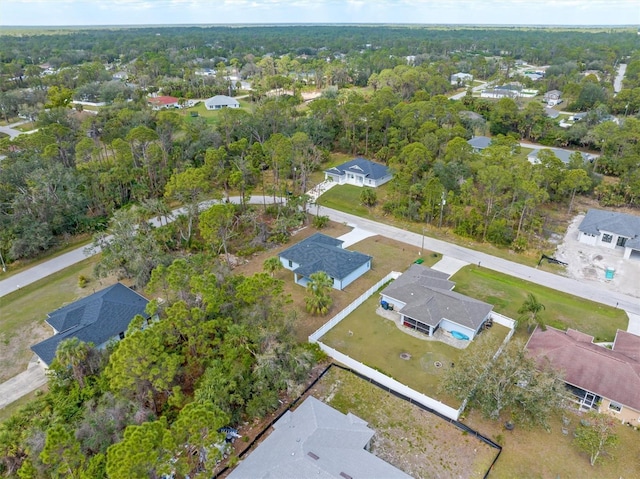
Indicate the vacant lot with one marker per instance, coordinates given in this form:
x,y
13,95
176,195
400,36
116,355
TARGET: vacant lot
x,y
24,311
562,310
378,343
540,454
420,443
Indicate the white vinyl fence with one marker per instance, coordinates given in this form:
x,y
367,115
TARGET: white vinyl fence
x,y
324,329
391,383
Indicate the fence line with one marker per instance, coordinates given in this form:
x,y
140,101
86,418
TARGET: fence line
x,y
503,320
391,383
326,327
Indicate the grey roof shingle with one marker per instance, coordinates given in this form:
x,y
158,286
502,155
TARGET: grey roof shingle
x,y
623,224
316,441
479,142
370,169
428,298
93,319
562,155
323,253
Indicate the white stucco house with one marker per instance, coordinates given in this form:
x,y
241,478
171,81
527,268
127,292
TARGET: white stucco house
x,y
359,172
323,253
424,299
461,78
608,229
221,101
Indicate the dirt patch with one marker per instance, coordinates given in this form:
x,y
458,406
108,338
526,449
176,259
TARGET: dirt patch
x,y
415,441
589,263
15,349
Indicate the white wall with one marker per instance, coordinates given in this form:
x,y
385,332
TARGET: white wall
x,y
449,325
350,278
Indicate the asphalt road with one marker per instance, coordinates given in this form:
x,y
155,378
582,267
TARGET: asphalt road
x,y
580,289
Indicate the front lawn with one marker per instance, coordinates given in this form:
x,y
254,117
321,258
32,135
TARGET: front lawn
x,y
562,310
347,198
378,343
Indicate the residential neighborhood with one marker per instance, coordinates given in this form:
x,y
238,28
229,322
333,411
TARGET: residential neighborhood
x,y
333,250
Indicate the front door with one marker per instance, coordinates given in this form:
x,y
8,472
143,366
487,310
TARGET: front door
x,y
621,241
589,400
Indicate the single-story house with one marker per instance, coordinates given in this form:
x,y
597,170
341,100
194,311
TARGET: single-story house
x,y
479,143
221,101
461,78
359,172
323,253
425,301
611,230
607,380
562,155
161,102
551,113
316,440
534,76
98,318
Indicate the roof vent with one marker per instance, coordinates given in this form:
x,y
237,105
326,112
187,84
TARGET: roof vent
x,y
345,475
313,455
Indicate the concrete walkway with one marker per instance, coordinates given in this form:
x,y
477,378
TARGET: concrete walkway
x,y
449,265
22,384
634,323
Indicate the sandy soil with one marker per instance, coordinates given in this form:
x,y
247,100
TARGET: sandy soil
x,y
589,263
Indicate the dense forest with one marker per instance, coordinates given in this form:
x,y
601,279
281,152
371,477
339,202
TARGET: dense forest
x,y
223,348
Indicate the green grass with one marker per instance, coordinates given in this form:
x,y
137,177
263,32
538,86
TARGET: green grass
x,y
561,311
26,127
24,312
378,343
8,411
347,198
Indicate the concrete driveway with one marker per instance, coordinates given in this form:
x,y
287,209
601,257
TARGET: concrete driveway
x,y
22,384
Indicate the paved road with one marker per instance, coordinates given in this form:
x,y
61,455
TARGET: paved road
x,y
581,289
461,95
569,285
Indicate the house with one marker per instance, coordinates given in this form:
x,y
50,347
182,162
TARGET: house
x,y
562,155
552,97
607,380
461,78
221,101
479,143
551,113
120,76
425,301
323,253
500,92
359,172
316,440
611,230
161,102
99,318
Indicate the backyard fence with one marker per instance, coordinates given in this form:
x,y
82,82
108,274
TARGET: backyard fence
x,y
326,327
391,384
503,320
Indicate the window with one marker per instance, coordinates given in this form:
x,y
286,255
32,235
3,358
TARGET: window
x,y
121,335
607,238
290,264
614,406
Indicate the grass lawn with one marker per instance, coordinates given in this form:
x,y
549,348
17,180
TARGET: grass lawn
x,y
7,411
26,126
378,343
347,198
388,255
561,311
537,453
415,441
24,311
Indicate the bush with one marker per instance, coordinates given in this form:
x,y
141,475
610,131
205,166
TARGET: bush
x,y
82,281
320,222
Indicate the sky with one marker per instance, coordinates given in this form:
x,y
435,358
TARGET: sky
x,y
172,12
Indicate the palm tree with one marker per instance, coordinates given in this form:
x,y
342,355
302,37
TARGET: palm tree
x,y
530,310
73,353
318,299
272,265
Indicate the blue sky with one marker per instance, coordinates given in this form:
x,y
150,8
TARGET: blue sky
x,y
141,12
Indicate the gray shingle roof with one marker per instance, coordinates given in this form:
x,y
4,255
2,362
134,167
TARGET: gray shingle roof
x,y
428,298
370,169
95,318
479,142
562,155
623,224
316,441
323,253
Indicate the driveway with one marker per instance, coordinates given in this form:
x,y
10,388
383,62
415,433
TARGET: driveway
x,y
23,383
